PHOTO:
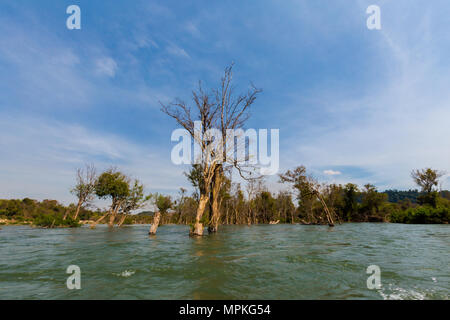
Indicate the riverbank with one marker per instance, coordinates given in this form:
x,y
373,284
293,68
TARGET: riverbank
x,y
12,222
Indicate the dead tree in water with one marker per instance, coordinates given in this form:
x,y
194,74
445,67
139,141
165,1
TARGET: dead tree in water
x,y
84,189
205,110
219,108
233,113
155,223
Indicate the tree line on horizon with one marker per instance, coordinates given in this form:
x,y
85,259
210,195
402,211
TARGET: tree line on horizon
x,y
251,205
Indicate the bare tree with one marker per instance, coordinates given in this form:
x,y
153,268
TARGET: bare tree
x,y
233,112
205,110
220,108
84,190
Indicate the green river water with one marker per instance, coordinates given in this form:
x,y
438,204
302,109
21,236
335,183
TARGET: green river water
x,y
240,262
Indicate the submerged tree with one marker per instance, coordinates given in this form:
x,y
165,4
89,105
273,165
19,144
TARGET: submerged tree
x,y
84,189
113,185
219,108
233,113
135,200
163,203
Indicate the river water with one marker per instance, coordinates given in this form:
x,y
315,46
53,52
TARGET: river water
x,y
240,262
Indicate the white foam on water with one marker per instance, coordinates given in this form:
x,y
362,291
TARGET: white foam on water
x,y
125,274
397,293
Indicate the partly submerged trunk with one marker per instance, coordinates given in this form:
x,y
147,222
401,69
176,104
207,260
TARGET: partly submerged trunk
x,y
155,223
215,206
93,225
327,211
122,220
198,227
114,211
112,217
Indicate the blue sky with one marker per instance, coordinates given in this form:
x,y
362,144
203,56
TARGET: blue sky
x,y
352,104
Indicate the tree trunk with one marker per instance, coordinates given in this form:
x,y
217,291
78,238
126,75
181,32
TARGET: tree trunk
x,y
214,221
155,223
77,212
66,214
198,227
124,216
112,218
327,212
93,225
226,216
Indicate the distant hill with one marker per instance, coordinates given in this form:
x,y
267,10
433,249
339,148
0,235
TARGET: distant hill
x,y
146,213
398,195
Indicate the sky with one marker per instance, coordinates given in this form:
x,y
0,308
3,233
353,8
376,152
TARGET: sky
x,y
352,104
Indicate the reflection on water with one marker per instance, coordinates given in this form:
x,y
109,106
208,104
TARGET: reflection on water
x,y
240,262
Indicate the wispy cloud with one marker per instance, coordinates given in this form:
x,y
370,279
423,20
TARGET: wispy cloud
x,y
41,157
175,50
106,66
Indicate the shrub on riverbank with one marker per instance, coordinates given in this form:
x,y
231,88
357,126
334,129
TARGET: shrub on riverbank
x,y
421,215
45,213
54,221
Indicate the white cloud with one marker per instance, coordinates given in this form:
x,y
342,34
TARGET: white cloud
x,y
331,172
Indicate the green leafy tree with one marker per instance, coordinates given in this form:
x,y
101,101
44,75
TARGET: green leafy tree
x,y
351,192
372,200
163,203
113,185
428,180
136,199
